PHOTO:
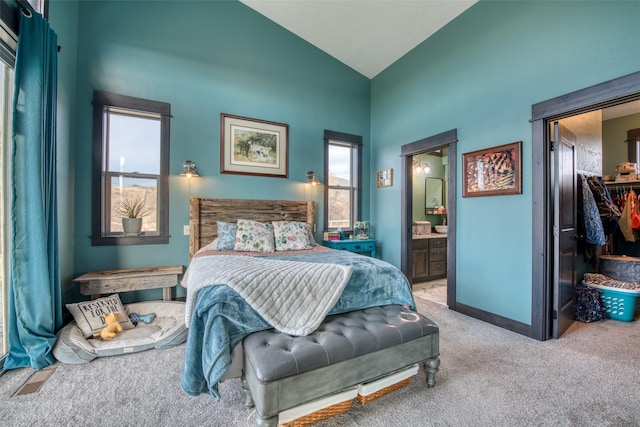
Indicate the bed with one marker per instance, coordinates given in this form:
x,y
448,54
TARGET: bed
x,y
308,284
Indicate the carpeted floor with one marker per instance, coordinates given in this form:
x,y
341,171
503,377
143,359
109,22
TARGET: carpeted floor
x,y
488,377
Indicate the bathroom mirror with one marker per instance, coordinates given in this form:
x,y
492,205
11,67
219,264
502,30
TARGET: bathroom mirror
x,y
433,192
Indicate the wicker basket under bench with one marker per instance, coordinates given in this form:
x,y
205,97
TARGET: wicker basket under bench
x,y
319,375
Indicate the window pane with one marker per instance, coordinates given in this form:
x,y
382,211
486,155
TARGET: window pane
x,y
134,144
6,82
339,208
128,188
339,165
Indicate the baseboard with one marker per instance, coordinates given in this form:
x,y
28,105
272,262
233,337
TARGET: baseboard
x,y
494,319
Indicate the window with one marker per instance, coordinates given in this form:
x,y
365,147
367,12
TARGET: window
x,y
130,165
6,84
342,169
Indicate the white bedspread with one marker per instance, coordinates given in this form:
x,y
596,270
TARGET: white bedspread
x,y
294,297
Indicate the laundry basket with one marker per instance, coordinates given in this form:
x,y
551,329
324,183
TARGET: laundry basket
x,y
620,304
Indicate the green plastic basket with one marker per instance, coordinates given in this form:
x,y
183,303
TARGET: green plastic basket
x,y
620,304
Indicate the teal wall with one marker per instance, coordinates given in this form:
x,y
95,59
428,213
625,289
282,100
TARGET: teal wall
x,y
204,58
480,74
65,15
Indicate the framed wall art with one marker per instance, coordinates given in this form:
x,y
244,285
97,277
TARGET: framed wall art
x,y
384,178
493,171
253,147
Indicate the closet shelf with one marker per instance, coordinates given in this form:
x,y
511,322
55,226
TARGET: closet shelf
x,y
622,182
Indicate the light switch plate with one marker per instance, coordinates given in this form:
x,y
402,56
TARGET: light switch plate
x,y
186,230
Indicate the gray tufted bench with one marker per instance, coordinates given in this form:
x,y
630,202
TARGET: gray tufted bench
x,y
283,371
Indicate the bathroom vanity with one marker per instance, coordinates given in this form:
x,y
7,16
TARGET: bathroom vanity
x,y
429,257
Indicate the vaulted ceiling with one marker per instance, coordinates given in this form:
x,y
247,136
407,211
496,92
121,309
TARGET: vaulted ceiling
x,y
366,35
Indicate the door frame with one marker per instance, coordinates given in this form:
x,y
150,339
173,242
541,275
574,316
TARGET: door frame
x,y
613,92
447,139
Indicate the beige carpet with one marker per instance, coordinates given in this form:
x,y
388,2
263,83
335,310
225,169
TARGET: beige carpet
x,y
489,377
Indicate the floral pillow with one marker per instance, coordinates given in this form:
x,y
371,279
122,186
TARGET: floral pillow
x,y
254,236
226,235
291,236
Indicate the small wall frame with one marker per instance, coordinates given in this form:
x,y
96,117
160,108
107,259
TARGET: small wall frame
x,y
384,178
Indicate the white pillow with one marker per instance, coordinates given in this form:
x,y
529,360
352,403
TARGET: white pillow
x,y
88,314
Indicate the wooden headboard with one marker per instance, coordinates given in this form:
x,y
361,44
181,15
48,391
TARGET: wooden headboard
x,y
203,214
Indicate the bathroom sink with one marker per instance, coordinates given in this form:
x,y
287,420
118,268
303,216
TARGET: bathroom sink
x,y
442,229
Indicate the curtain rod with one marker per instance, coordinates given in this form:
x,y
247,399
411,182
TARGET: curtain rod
x,y
27,10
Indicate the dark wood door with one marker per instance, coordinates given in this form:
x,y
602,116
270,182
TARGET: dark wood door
x,y
564,230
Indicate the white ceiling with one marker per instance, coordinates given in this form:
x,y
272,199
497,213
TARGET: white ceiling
x,y
366,35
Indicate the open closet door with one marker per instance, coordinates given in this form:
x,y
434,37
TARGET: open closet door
x,y
564,229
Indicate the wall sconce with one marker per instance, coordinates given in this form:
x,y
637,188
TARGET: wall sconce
x,y
420,167
189,169
313,180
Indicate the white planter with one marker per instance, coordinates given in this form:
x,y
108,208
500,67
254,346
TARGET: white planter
x,y
132,226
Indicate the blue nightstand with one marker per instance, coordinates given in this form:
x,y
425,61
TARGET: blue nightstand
x,y
358,246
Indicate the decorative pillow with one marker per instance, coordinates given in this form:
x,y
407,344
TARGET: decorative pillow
x,y
312,240
291,236
254,236
88,314
213,246
226,235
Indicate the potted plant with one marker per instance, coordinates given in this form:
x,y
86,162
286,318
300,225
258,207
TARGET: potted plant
x,y
132,211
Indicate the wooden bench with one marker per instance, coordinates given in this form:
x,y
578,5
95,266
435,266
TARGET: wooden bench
x,y
112,281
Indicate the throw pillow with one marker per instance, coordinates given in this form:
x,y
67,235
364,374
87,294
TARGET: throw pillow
x,y
254,236
226,235
88,314
213,246
291,236
312,240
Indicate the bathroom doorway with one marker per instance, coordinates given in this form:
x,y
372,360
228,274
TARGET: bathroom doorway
x,y
425,205
429,225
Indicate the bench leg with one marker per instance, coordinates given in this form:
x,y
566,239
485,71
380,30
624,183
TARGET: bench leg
x,y
431,366
248,399
266,422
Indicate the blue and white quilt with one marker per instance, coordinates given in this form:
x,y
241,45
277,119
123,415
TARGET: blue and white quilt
x,y
219,316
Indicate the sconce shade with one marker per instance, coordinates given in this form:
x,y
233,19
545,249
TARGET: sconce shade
x,y
189,169
313,180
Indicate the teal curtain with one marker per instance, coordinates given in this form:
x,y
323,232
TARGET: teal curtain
x,y
35,308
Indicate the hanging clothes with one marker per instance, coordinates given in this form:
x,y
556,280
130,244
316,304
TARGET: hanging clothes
x,y
593,227
625,222
635,214
609,212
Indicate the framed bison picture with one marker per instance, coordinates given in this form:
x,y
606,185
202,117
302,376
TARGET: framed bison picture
x,y
253,147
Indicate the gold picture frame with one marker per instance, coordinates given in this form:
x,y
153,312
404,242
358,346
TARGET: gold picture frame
x,y
384,178
494,171
253,147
